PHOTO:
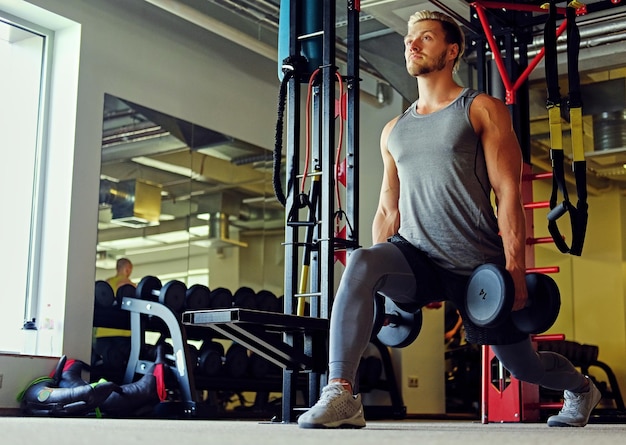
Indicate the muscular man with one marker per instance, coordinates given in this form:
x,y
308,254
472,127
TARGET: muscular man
x,y
435,224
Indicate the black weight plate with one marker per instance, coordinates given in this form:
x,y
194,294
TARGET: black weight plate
x,y
259,366
146,286
379,314
211,359
490,295
403,327
543,306
267,301
125,290
173,295
221,298
197,297
245,297
236,360
104,295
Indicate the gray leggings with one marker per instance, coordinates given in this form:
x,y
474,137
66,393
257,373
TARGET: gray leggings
x,y
383,268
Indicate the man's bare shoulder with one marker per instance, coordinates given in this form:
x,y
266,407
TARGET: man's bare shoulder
x,y
486,110
484,100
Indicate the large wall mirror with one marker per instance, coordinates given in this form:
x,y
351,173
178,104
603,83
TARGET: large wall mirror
x,y
185,202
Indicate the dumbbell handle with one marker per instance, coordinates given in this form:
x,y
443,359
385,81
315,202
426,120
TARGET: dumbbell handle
x,y
393,319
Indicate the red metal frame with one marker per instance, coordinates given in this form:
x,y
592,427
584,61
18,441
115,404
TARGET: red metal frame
x,y
511,400
511,88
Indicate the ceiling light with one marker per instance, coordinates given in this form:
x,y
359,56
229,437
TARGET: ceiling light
x,y
166,166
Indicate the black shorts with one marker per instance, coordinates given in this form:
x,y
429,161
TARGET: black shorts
x,y
434,283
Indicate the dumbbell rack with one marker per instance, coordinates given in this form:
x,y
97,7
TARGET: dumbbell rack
x,y
251,328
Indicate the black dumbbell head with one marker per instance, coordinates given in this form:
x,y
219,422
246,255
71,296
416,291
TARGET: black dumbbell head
x,y
147,285
197,297
542,309
490,295
399,328
173,295
104,296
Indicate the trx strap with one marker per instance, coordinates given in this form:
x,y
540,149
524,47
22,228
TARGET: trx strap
x,y
578,214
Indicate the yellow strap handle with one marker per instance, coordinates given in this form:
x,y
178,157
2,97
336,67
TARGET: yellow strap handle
x,y
556,134
576,122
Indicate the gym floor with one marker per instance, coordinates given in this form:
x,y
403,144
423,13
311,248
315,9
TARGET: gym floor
x,y
71,431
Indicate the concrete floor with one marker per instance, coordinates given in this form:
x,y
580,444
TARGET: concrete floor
x,y
79,431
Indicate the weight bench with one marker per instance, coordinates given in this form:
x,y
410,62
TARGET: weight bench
x,y
256,330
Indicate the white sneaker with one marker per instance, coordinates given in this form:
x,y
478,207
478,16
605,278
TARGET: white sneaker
x,y
336,408
577,407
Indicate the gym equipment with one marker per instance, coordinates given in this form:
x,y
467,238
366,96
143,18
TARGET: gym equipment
x,y
259,367
113,351
491,294
578,214
370,371
393,326
104,295
197,296
125,290
245,297
45,396
267,301
236,361
194,354
211,358
172,294
221,298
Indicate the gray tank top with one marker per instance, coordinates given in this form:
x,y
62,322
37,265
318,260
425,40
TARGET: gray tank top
x,y
445,206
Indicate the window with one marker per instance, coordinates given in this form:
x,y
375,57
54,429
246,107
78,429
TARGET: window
x,y
23,56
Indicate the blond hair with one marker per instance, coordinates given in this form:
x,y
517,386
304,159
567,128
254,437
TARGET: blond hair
x,y
453,32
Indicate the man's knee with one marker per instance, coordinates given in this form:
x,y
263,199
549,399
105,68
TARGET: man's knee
x,y
362,264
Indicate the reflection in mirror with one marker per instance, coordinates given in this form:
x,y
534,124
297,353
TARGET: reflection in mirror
x,y
185,202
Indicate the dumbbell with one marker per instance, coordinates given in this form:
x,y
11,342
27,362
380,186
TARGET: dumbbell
x,y
197,297
221,298
236,360
104,295
491,293
267,301
211,358
245,298
394,326
172,294
125,290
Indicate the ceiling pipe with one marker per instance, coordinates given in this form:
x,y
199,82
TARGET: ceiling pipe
x,y
210,24
215,26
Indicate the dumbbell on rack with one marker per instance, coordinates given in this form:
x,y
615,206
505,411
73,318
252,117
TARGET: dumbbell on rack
x,y
172,294
106,298
267,301
236,361
197,297
245,298
221,298
104,295
210,358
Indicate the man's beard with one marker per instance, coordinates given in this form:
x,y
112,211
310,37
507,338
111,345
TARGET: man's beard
x,y
438,65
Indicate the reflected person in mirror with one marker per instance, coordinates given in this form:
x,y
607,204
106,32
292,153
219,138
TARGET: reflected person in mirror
x,y
124,268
